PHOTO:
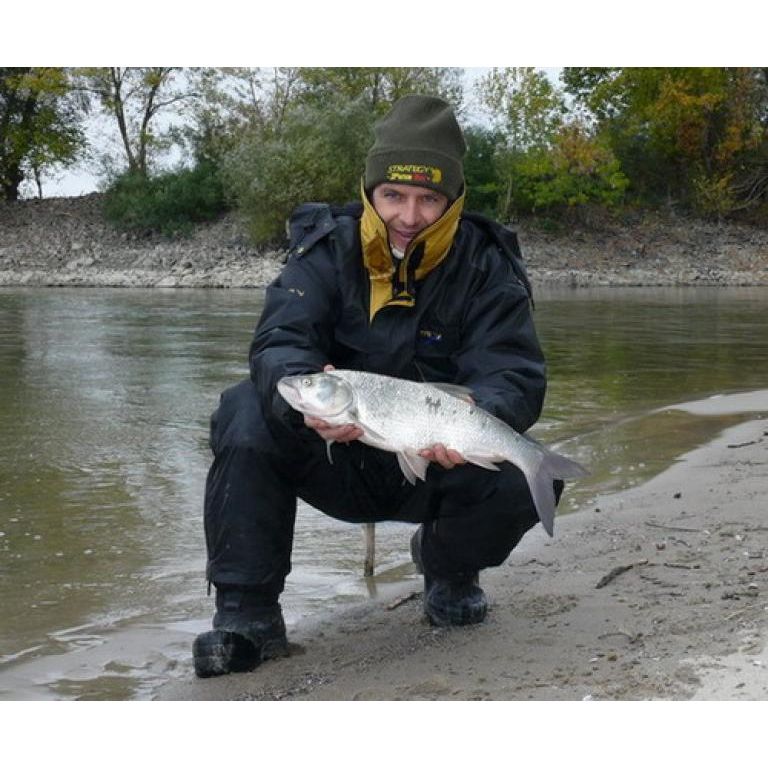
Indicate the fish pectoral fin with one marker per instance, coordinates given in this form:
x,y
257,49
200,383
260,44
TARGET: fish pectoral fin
x,y
328,444
373,433
487,462
413,466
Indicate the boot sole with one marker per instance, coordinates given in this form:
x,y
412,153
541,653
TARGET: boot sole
x,y
220,652
458,619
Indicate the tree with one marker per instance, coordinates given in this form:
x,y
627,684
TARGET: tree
x,y
482,180
318,154
686,133
237,100
578,170
380,87
527,110
288,135
40,125
524,105
134,97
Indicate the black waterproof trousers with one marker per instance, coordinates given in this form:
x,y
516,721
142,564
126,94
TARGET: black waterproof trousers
x,y
472,517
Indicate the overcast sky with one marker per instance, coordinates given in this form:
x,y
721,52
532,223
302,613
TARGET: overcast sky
x,y
307,33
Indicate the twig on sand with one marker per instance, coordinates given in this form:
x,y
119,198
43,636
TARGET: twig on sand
x,y
673,527
402,600
612,574
688,567
632,638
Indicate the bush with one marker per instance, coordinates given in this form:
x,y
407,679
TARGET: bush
x,y
318,155
169,203
713,196
578,171
483,186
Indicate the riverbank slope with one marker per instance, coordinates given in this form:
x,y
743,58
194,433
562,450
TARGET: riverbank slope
x,y
656,593
66,241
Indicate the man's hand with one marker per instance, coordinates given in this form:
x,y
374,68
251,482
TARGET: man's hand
x,y
344,433
447,458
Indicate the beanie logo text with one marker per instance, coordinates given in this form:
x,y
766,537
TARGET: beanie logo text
x,y
415,174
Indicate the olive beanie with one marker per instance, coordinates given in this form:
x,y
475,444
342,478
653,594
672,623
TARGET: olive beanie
x,y
418,142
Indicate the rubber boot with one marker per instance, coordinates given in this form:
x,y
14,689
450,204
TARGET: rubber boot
x,y
455,601
245,633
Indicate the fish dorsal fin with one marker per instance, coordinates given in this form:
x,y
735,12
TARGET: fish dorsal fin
x,y
456,390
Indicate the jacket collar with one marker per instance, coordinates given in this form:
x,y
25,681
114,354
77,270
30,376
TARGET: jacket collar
x,y
392,280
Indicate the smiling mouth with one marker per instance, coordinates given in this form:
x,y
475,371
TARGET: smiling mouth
x,y
406,235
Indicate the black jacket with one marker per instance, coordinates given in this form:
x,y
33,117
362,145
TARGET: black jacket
x,y
471,324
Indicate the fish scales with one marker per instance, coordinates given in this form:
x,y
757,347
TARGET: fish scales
x,y
415,416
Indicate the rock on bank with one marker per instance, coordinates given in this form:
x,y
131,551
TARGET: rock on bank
x,y
66,241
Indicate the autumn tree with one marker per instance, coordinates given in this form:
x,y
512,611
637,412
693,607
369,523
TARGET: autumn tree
x,y
577,172
40,125
687,134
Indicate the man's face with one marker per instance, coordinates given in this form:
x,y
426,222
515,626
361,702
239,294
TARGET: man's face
x,y
406,210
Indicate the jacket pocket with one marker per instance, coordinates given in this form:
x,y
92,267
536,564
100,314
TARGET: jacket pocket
x,y
436,348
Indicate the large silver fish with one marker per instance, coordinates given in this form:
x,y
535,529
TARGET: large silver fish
x,y
406,417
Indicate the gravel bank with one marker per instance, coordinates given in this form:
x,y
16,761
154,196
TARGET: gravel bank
x,y
65,241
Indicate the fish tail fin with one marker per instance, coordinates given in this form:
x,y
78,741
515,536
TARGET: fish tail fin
x,y
541,475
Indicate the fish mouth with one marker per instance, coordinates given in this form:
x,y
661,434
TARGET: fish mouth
x,y
289,391
290,388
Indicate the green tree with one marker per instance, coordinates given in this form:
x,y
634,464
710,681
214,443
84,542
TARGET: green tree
x,y
234,102
286,135
40,125
527,109
483,185
380,87
318,154
523,104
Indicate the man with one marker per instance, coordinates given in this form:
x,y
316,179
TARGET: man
x,y
404,285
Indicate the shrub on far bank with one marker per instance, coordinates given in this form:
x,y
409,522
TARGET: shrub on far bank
x,y
168,204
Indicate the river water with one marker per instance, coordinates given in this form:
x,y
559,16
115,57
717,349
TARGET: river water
x,y
104,403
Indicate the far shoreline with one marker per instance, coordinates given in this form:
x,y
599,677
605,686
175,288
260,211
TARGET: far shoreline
x,y
62,242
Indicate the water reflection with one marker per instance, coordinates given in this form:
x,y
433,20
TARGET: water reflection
x,y
104,403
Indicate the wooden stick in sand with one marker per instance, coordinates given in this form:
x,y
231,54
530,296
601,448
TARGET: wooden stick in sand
x,y
369,530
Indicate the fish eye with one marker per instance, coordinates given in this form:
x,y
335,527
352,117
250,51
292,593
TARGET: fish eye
x,y
306,382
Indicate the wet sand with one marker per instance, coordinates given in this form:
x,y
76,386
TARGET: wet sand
x,y
656,593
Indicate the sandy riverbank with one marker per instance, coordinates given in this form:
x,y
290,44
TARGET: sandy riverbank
x,y
656,593
66,242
